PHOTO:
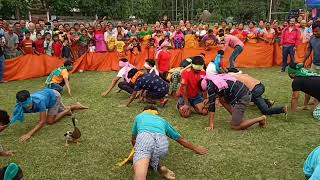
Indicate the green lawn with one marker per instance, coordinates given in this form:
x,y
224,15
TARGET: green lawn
x,y
276,152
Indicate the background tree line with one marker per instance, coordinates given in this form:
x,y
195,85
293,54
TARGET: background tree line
x,y
150,10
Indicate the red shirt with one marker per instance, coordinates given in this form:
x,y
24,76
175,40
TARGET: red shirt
x,y
191,79
57,49
39,46
27,46
290,38
164,61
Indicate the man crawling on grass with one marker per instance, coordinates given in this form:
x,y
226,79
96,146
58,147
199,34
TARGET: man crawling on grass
x,y
47,103
149,138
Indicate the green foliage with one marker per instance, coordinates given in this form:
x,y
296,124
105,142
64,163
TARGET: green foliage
x,y
152,10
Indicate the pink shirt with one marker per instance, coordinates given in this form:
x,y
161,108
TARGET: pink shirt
x,y
232,41
290,38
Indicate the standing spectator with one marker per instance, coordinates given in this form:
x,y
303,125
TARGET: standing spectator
x,y
253,32
290,39
56,46
84,41
23,26
12,42
314,45
209,40
240,33
268,34
26,44
305,32
66,51
55,23
99,39
74,39
38,45
39,29
178,39
20,34
33,33
277,31
1,28
42,23
48,44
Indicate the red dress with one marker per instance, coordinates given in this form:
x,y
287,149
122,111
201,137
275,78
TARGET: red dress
x,y
39,46
164,61
57,49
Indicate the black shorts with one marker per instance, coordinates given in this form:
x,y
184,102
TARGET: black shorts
x,y
156,94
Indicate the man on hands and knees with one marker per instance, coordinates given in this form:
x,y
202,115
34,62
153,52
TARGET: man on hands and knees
x,y
151,87
150,135
47,103
234,96
189,92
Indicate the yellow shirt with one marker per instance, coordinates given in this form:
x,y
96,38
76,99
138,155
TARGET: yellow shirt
x,y
120,46
59,79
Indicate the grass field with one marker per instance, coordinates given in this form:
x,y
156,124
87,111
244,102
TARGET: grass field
x,y
276,152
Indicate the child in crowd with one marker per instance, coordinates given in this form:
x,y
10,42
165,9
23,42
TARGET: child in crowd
x,y
56,46
38,45
27,44
122,73
66,50
134,46
48,44
60,77
92,47
120,44
149,138
74,39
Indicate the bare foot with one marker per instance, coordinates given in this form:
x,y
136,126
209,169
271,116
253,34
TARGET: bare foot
x,y
167,173
80,106
285,109
263,123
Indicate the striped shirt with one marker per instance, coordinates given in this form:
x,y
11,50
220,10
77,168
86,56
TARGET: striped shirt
x,y
232,94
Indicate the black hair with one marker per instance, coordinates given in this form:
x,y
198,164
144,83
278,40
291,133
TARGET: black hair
x,y
199,84
224,21
228,29
55,20
315,25
132,72
75,24
46,33
4,117
221,31
124,60
254,23
38,33
210,31
55,35
150,107
197,60
161,41
22,95
151,62
16,23
67,63
40,20
221,52
55,29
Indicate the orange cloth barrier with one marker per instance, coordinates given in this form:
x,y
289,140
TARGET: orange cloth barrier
x,y
33,66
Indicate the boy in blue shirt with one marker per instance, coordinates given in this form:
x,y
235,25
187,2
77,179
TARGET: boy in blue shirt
x,y
149,138
47,103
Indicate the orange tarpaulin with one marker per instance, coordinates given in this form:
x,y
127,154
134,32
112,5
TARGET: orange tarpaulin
x,y
33,66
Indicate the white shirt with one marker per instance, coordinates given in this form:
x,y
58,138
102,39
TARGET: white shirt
x,y
122,72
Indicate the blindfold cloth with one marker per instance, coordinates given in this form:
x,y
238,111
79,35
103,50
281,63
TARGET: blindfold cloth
x,y
18,114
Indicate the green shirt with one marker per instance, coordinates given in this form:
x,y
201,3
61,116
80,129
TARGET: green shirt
x,y
146,122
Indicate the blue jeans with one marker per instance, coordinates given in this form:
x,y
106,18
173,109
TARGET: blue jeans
x,y
237,51
57,87
285,52
2,66
261,103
